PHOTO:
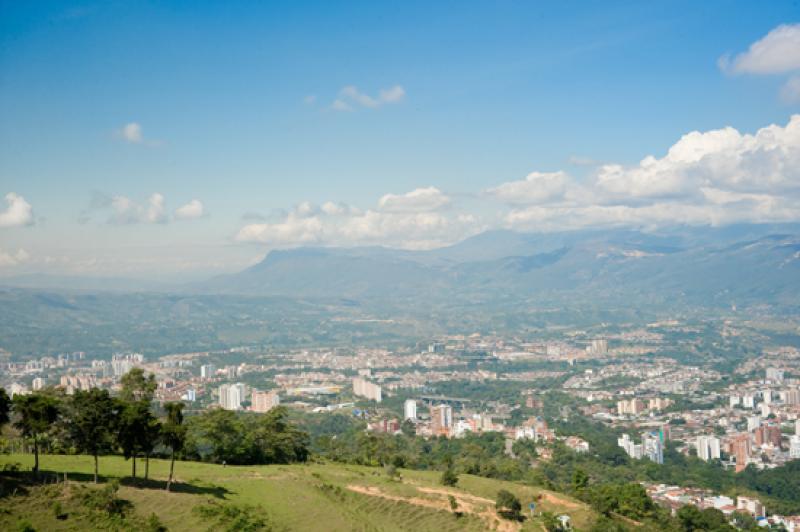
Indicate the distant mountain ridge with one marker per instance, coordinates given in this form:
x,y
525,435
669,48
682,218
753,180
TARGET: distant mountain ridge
x,y
748,263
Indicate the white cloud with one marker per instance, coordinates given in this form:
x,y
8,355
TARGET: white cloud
x,y
537,187
153,211
334,209
418,200
8,258
191,211
19,212
778,52
714,177
132,133
723,158
406,221
392,94
293,230
350,97
310,99
341,105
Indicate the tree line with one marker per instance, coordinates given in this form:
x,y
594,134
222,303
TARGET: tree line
x,y
95,423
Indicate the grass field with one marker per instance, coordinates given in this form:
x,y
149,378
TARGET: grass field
x,y
312,496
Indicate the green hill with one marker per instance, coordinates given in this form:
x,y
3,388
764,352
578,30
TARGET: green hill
x,y
287,497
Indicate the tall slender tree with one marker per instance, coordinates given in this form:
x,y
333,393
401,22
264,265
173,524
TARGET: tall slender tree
x,y
150,438
131,432
139,429
93,419
173,433
36,414
5,407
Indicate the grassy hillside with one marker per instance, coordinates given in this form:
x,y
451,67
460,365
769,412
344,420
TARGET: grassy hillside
x,y
295,497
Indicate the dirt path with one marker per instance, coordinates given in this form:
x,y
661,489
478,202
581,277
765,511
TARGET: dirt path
x,y
555,499
466,502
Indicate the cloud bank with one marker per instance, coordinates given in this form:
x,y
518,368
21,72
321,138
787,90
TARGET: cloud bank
x,y
715,177
122,210
414,220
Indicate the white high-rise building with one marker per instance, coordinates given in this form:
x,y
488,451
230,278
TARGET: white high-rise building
x,y
708,448
766,395
410,409
364,388
652,447
598,347
207,371
39,383
632,449
753,422
775,374
794,447
190,395
231,396
748,401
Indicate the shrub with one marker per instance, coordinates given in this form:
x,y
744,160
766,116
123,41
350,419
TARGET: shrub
x,y
233,517
508,505
449,477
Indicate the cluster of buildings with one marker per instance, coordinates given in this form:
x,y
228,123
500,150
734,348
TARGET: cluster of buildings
x,y
674,497
232,397
636,406
651,446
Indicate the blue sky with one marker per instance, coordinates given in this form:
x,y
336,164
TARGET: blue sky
x,y
232,104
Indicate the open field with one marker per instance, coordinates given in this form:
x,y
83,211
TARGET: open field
x,y
294,497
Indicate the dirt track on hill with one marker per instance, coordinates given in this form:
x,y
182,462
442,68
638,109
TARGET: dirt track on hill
x,y
466,503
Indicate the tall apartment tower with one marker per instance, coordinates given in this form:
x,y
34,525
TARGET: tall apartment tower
x,y
410,409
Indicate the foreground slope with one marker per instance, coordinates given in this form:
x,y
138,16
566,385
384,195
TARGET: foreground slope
x,y
293,497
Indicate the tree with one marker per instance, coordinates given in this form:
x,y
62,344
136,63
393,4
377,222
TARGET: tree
x,y
137,387
744,521
580,480
217,435
277,441
173,433
150,437
135,430
508,505
93,419
5,407
449,477
408,428
143,428
36,414
693,519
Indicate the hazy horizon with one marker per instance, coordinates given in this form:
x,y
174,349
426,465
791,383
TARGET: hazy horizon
x,y
131,146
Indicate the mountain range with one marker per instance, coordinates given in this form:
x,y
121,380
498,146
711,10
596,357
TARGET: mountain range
x,y
747,264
